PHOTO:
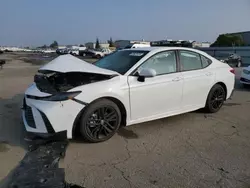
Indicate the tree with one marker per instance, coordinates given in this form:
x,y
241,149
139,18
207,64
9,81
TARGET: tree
x,y
227,40
97,44
111,43
81,45
54,45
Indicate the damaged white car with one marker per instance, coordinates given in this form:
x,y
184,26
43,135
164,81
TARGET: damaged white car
x,y
127,87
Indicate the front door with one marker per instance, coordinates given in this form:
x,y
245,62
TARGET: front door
x,y
159,95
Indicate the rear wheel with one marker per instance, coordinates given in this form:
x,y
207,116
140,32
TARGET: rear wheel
x,y
100,121
215,99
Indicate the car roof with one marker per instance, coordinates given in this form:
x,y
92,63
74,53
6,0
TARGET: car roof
x,y
159,49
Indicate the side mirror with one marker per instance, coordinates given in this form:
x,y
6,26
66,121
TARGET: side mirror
x,y
146,73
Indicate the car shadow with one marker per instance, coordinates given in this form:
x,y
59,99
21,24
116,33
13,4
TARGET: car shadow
x,y
12,130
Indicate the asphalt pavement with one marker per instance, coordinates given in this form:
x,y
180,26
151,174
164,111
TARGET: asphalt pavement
x,y
188,150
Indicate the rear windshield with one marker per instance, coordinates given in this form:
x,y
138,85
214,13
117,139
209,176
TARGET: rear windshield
x,y
121,61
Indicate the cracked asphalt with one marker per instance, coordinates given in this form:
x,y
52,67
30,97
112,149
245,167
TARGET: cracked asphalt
x,y
188,150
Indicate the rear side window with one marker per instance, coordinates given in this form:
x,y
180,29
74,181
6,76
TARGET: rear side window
x,y
190,61
205,61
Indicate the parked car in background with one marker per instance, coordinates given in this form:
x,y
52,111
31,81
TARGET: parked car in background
x,y
74,52
101,52
233,60
124,88
87,53
8,50
245,76
62,51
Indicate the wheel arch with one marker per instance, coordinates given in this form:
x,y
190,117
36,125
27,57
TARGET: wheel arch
x,y
224,87
121,106
221,84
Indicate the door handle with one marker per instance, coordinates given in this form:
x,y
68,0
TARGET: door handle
x,y
176,79
209,74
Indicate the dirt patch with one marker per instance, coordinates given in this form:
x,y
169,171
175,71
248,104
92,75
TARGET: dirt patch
x,y
129,134
3,147
40,167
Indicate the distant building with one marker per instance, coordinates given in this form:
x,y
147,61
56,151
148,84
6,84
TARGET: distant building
x,y
61,47
124,43
91,45
172,43
201,44
245,36
181,43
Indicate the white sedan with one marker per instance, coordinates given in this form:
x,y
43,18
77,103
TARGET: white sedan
x,y
127,87
245,76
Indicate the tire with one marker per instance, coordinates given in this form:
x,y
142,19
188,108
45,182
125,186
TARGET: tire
x,y
246,85
98,56
215,99
94,123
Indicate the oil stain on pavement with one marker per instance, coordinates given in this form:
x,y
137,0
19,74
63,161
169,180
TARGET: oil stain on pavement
x,y
3,147
129,134
40,167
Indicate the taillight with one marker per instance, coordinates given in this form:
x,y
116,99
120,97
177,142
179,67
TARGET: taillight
x,y
232,71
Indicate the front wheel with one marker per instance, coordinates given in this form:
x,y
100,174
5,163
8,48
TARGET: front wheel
x,y
215,99
100,121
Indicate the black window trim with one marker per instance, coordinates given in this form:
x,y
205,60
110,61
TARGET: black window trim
x,y
202,67
210,61
133,73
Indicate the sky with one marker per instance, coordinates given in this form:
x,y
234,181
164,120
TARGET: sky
x,y
36,22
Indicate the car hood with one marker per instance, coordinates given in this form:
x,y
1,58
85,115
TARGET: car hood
x,y
69,63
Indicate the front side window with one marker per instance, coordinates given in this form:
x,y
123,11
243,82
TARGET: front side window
x,y
190,61
162,63
121,61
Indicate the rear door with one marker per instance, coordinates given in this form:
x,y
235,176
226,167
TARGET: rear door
x,y
198,78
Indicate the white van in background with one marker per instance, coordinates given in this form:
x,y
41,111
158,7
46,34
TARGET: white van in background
x,y
137,46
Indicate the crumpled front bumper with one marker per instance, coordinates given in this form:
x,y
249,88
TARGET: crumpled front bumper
x,y
46,118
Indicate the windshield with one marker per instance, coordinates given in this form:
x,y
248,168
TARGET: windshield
x,y
121,61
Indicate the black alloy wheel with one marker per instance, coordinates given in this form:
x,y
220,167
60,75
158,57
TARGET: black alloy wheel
x,y
215,98
100,121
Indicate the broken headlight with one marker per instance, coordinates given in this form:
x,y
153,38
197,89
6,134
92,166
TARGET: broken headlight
x,y
63,96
